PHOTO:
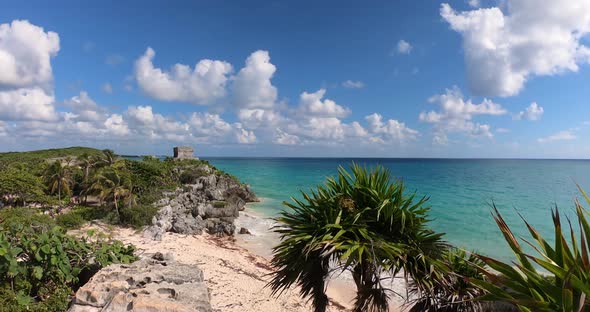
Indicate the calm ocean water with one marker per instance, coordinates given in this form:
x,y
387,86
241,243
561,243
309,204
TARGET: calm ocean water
x,y
460,191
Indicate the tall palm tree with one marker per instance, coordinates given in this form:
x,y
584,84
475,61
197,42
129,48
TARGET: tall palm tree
x,y
362,222
86,162
112,186
58,178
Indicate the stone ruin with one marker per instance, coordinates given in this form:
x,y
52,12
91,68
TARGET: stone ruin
x,y
184,152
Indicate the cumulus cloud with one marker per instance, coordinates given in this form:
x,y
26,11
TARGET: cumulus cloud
x,y
566,135
504,49
284,138
404,47
116,125
84,108
311,104
25,72
390,129
351,84
27,104
456,116
533,112
25,55
202,85
252,86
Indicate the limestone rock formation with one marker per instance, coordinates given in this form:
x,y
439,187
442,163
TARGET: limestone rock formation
x,y
211,203
157,283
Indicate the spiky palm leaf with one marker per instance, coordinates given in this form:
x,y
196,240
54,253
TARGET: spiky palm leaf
x,y
566,288
360,221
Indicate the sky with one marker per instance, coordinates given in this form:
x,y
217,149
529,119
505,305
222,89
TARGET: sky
x,y
458,79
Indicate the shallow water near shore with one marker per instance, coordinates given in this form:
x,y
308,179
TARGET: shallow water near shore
x,y
461,192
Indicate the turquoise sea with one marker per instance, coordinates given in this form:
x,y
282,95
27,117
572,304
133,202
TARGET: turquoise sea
x,y
461,191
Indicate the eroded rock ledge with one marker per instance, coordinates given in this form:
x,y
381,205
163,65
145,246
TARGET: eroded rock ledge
x,y
211,203
155,283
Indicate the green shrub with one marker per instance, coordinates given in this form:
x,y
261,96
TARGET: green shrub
x,y
138,216
41,265
27,217
191,176
219,204
71,220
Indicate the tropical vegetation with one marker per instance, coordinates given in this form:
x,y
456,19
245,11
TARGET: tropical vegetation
x,y
361,222
364,222
40,265
123,190
555,278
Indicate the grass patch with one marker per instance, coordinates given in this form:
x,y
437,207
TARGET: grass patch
x,y
219,204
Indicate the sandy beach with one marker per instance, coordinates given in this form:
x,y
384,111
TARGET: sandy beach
x,y
235,270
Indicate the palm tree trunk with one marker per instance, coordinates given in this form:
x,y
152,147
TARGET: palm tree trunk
x,y
117,208
370,296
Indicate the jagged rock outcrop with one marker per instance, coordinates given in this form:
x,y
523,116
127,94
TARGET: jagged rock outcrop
x,y
155,283
212,203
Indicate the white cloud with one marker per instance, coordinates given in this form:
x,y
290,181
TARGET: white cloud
x,y
350,84
202,85
311,105
244,136
456,116
144,121
504,50
533,112
257,118
390,129
284,138
107,88
252,87
502,130
566,135
25,55
116,125
84,108
25,72
404,47
27,104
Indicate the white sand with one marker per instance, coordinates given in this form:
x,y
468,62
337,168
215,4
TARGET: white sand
x,y
236,276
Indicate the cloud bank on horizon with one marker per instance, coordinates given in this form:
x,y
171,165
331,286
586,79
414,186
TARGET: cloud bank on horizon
x,y
240,105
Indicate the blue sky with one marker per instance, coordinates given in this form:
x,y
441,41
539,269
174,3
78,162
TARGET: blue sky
x,y
335,78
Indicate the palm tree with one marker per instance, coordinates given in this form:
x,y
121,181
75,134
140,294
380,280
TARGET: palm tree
x,y
86,162
58,178
361,222
112,186
108,158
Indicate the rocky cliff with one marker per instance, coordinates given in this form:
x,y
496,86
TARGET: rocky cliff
x,y
155,283
210,202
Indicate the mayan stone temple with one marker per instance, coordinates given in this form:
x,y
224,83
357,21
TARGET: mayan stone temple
x,y
184,152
